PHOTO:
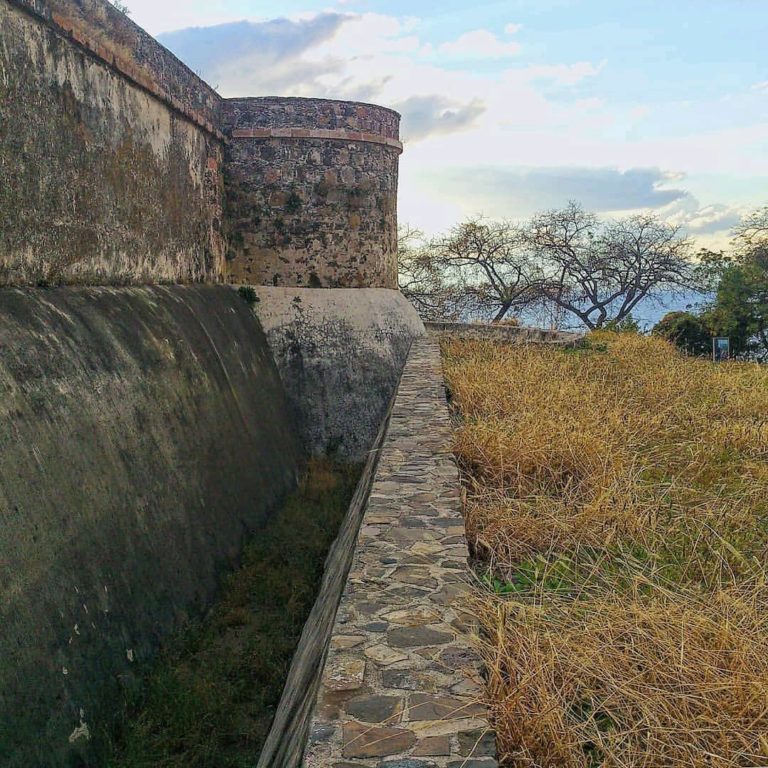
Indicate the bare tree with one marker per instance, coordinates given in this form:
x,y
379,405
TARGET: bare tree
x,y
599,272
423,281
751,233
493,260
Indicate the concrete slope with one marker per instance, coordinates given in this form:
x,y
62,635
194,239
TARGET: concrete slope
x,y
143,433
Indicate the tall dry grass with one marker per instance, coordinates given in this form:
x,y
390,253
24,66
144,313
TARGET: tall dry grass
x,y
617,500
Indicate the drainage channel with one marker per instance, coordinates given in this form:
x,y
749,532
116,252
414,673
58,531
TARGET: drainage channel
x,y
211,697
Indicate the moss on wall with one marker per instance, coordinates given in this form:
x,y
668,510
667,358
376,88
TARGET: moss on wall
x,y
100,181
143,434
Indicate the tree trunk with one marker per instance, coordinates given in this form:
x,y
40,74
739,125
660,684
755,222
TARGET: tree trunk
x,y
501,314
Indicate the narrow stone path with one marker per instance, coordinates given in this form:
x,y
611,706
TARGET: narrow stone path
x,y
401,685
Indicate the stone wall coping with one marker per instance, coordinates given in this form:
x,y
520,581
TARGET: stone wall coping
x,y
511,333
402,685
319,133
287,100
112,38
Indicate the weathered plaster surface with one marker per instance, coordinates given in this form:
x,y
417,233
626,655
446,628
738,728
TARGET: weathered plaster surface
x,y
311,197
143,433
340,353
109,172
401,685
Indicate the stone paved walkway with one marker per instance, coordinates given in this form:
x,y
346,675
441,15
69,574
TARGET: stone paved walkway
x,y
401,687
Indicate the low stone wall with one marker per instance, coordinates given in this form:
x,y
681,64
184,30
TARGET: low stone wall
x,y
340,354
284,747
507,333
401,687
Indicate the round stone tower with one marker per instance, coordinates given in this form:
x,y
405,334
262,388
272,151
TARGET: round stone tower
x,y
312,193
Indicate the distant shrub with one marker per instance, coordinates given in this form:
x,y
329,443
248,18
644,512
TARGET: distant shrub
x,y
627,325
686,331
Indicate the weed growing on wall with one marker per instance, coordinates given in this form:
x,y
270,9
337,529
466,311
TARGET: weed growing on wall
x,y
248,294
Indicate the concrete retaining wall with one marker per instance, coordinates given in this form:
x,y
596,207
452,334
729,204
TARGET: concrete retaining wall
x,y
340,354
144,432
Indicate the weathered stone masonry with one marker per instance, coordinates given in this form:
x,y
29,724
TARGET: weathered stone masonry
x,y
312,193
114,157
401,687
110,158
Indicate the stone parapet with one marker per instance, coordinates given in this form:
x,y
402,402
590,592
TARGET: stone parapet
x,y
111,37
401,686
296,112
507,333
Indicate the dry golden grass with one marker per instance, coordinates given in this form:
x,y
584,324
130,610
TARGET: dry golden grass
x,y
618,500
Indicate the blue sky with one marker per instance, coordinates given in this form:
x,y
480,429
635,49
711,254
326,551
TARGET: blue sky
x,y
514,106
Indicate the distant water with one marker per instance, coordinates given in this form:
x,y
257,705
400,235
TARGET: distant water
x,y
647,313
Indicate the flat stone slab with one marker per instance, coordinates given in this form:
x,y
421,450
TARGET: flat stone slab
x,y
401,686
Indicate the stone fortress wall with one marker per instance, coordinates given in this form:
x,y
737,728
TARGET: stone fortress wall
x,y
312,192
110,154
119,165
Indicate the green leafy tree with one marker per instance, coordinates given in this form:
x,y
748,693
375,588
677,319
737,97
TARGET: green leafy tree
x,y
687,331
740,308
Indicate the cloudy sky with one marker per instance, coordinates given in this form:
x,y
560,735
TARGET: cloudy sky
x,y
513,106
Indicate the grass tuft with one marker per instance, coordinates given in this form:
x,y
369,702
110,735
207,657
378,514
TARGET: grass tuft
x,y
617,505
211,697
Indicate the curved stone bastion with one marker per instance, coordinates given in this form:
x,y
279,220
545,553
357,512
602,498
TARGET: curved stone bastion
x,y
312,192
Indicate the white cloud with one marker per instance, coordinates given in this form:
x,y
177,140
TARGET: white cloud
x,y
479,44
512,29
425,116
761,86
698,220
502,115
561,74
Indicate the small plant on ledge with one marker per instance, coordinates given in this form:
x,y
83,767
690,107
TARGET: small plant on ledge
x,y
248,293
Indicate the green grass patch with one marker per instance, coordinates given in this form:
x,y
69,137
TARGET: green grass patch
x,y
211,697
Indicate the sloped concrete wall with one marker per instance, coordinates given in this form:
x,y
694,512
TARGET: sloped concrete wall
x,y
144,432
340,353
